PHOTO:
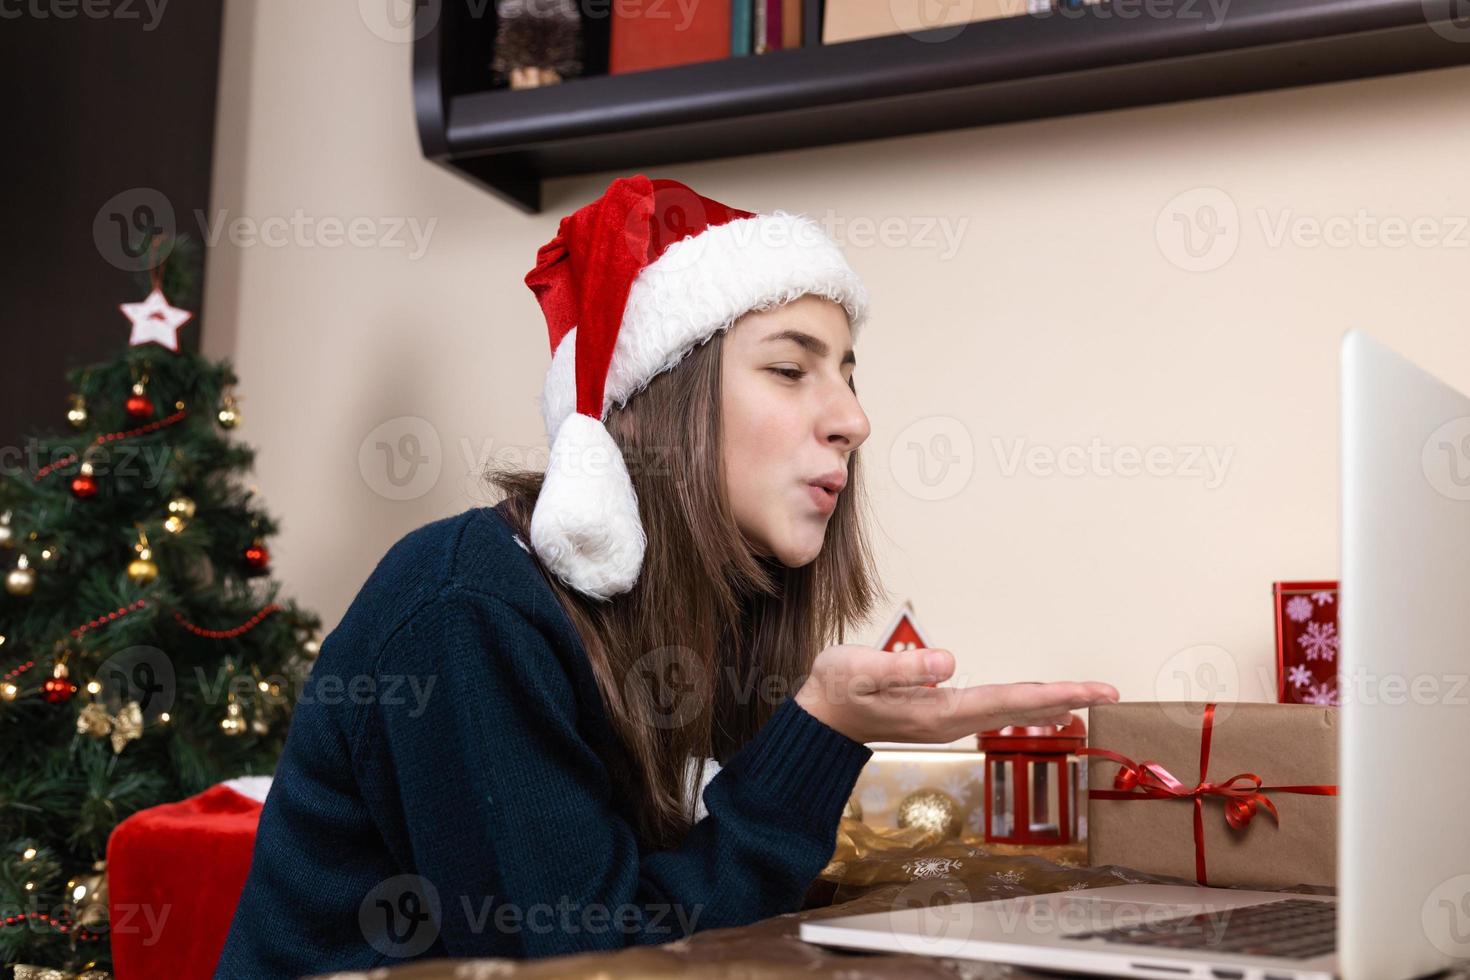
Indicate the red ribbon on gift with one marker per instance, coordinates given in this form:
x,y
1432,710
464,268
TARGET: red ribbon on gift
x,y
1243,792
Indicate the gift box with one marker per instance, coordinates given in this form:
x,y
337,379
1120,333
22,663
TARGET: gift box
x,y
1228,794
1306,642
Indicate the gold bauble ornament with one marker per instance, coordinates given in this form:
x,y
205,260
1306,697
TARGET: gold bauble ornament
x,y
76,411
21,580
180,513
142,569
853,810
931,809
233,723
89,893
229,413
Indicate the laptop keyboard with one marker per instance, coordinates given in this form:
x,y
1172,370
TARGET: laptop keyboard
x,y
1292,928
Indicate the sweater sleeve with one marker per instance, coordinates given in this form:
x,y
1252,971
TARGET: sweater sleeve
x,y
508,808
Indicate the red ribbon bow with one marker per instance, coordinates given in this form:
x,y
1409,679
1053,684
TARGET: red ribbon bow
x,y
1243,792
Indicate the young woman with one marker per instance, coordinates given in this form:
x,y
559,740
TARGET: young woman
x,y
499,749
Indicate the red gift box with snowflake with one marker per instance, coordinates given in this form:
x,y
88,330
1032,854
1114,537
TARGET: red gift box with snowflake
x,y
1306,642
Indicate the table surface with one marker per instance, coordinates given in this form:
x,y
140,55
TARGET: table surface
x,y
771,950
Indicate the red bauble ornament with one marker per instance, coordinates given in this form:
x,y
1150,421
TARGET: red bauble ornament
x,y
57,688
257,557
84,486
140,407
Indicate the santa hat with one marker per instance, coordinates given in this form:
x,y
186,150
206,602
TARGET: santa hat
x,y
630,284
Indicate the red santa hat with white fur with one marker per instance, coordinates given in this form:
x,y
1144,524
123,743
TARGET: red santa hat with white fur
x,y
630,284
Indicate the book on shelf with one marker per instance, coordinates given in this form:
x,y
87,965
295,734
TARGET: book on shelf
x,y
853,20
661,35
641,40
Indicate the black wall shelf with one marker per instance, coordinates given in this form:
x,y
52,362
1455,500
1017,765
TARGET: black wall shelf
x,y
992,71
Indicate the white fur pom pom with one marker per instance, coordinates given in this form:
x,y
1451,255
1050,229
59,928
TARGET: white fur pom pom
x,y
585,526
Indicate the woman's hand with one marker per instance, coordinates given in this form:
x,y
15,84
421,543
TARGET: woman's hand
x,y
873,695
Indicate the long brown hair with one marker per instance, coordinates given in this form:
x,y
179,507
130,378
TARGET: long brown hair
x,y
721,632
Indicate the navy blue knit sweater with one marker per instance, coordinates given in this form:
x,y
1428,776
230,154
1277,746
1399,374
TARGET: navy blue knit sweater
x,y
445,788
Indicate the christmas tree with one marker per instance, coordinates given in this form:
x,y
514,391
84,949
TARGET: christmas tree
x,y
144,652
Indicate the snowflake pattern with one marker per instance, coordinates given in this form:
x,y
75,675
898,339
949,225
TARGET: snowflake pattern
x,y
874,799
1322,598
956,785
1010,876
909,776
484,969
1078,886
1321,694
1119,873
1319,641
1299,675
930,867
1299,609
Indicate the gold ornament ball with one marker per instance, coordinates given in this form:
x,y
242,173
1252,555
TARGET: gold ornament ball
x,y
854,808
142,570
932,809
180,513
21,581
233,723
229,417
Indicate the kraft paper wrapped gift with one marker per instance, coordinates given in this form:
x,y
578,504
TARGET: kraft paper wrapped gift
x,y
1151,808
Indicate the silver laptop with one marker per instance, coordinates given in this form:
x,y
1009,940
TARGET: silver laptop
x,y
1402,907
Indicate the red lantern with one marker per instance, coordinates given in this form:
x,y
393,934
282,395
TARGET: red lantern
x,y
1032,779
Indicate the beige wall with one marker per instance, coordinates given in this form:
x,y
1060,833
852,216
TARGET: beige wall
x,y
1060,314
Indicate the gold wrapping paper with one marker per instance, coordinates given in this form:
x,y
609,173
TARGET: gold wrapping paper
x,y
893,774
1284,744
